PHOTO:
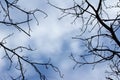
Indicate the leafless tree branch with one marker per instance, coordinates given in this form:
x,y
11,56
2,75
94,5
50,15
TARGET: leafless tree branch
x,y
103,40
13,55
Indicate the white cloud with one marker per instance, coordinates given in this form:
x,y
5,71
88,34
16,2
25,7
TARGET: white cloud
x,y
49,36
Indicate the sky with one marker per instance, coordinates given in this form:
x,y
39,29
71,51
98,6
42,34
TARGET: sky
x,y
52,38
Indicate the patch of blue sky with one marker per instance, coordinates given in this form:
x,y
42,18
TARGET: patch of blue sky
x,y
53,39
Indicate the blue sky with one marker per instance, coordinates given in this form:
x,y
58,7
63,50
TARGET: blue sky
x,y
52,38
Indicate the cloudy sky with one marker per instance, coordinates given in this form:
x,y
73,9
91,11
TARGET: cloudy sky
x,y
52,38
